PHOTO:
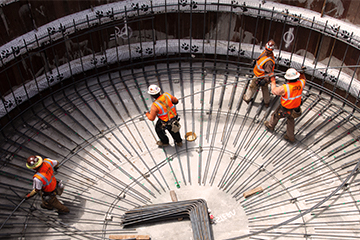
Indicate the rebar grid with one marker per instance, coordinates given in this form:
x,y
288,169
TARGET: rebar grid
x,y
309,165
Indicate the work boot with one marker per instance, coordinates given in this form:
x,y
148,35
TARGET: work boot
x,y
267,125
161,144
54,202
247,101
179,144
46,206
63,210
288,139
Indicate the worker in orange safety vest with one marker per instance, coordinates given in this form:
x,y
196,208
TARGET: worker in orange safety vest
x,y
45,182
164,108
263,69
290,101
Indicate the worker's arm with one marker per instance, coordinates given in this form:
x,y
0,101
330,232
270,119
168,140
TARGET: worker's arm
x,y
32,193
153,112
302,73
54,163
268,66
174,100
302,76
56,167
279,91
37,185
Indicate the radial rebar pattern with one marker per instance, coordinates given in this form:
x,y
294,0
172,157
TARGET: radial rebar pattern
x,y
77,92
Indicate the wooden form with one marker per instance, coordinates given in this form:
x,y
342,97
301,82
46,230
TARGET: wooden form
x,y
173,196
174,199
252,192
137,237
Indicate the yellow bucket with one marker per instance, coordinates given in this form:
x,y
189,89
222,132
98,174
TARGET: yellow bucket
x,y
190,136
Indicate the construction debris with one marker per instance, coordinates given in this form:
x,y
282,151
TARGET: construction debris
x,y
253,191
174,199
173,196
132,237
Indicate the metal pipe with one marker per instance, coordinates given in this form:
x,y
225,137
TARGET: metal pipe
x,y
16,208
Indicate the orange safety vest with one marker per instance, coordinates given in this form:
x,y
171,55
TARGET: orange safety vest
x,y
163,113
46,175
292,97
259,70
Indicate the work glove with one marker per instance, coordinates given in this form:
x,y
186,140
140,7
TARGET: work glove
x,y
302,70
253,63
56,169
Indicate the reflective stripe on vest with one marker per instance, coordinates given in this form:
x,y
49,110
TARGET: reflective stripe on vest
x,y
163,115
48,160
294,101
49,183
161,108
44,179
258,69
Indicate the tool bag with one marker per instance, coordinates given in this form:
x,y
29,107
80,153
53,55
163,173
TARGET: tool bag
x,y
174,124
296,112
283,112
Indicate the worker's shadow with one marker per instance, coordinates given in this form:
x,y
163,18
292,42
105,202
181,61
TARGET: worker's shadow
x,y
76,207
304,143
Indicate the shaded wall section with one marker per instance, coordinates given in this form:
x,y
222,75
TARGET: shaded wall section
x,y
341,9
71,49
45,58
20,17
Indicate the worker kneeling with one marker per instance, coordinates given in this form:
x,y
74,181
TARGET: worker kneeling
x,y
45,182
290,101
164,108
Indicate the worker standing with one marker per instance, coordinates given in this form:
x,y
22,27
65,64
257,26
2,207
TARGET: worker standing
x,y
45,182
164,108
264,68
290,101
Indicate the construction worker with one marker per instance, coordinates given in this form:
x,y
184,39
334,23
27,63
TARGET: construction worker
x,y
163,107
263,69
45,183
290,101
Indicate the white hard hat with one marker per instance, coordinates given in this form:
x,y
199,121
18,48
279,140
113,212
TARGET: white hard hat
x,y
154,89
270,45
291,74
